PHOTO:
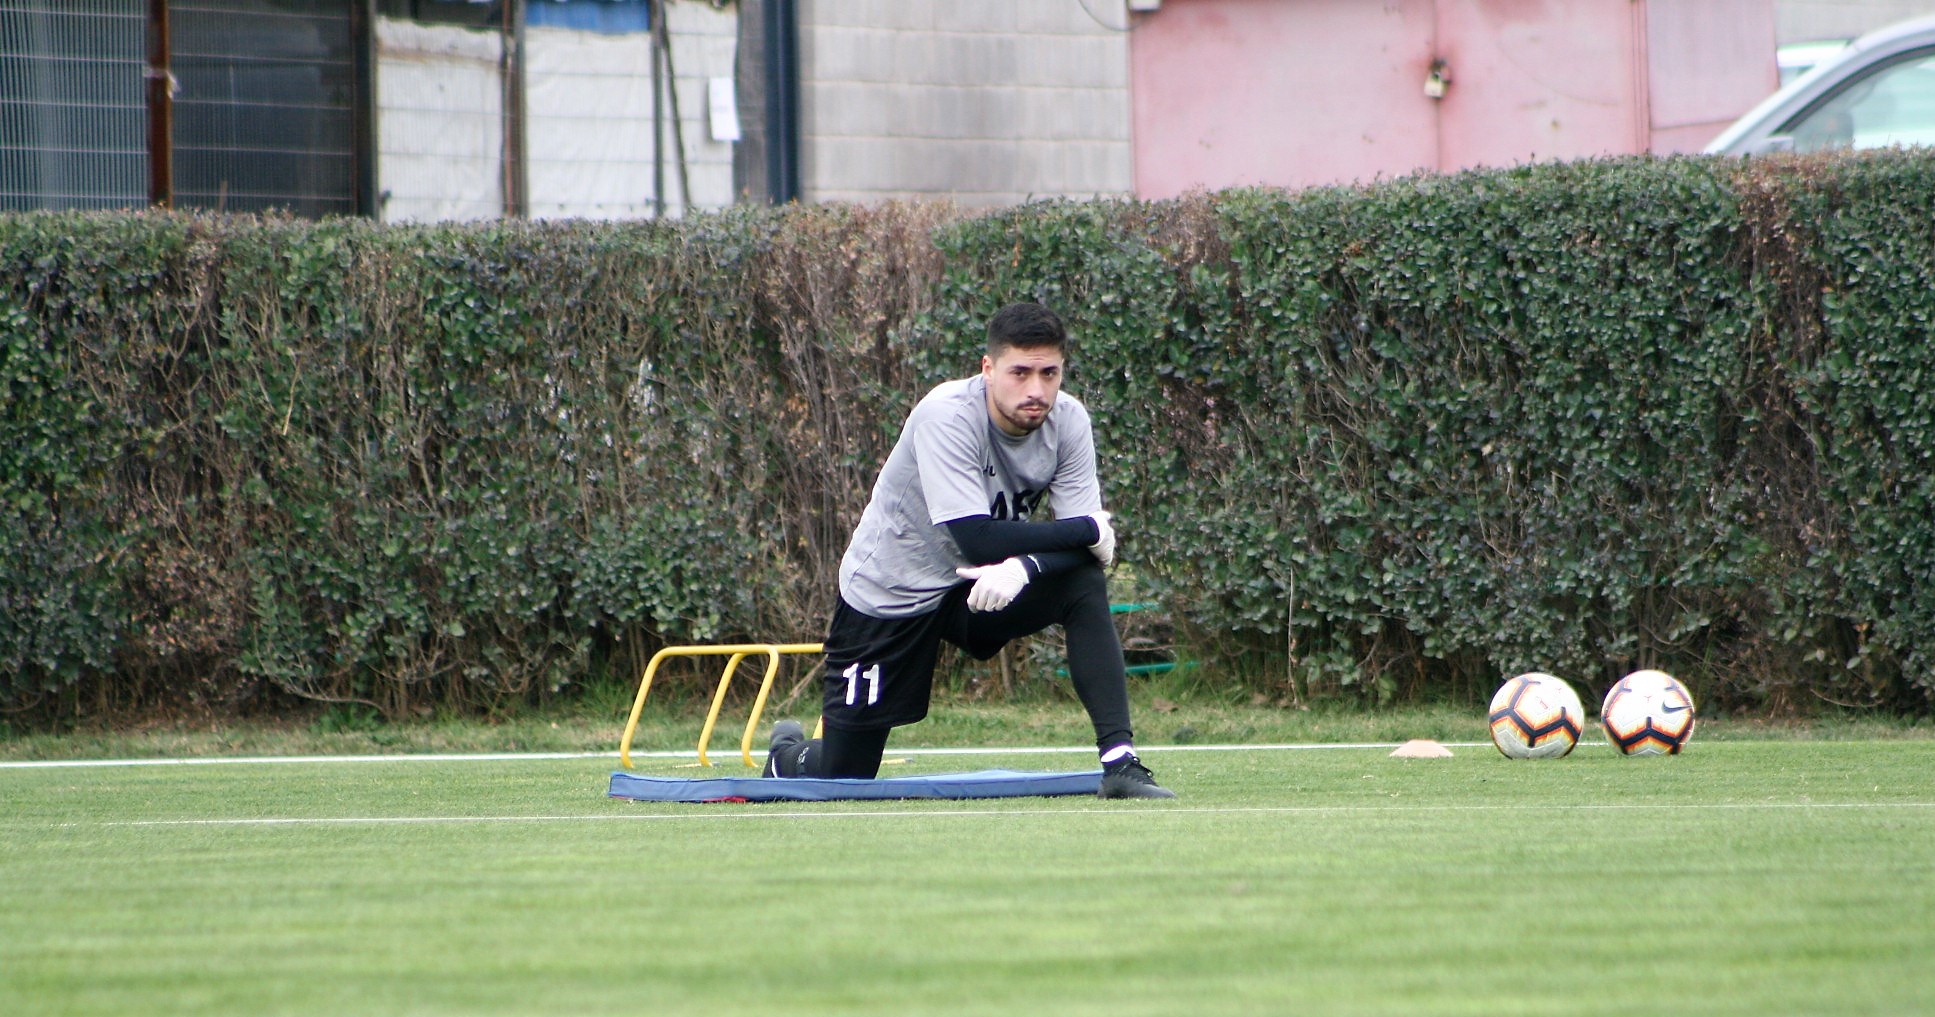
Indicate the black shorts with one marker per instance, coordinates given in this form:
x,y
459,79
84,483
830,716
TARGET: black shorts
x,y
880,671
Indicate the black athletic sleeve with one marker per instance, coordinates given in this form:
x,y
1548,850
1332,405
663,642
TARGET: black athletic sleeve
x,y
1048,563
985,540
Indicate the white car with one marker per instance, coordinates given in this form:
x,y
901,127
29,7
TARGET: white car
x,y
1877,91
1797,58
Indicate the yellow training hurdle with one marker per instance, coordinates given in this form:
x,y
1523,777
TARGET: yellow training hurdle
x,y
737,652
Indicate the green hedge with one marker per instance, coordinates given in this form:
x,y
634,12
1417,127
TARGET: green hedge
x,y
1391,440
410,466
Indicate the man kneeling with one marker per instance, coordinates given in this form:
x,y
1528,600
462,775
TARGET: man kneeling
x,y
946,550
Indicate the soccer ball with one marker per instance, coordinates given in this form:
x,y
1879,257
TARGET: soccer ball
x,y
1647,713
1536,716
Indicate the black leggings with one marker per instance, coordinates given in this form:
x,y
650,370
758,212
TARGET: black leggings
x,y
845,753
1078,601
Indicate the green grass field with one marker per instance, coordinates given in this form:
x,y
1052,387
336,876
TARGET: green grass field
x,y
1744,877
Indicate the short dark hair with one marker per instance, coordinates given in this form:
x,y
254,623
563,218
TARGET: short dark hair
x,y
1025,325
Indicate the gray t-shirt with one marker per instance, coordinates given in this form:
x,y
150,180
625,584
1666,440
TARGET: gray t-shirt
x,y
952,462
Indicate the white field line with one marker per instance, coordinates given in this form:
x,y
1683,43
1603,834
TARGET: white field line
x,y
476,757
445,757
704,813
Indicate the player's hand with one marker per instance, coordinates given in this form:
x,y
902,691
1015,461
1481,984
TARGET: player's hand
x,y
1104,547
995,586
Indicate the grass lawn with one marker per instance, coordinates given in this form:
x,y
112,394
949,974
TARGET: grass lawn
x,y
1747,876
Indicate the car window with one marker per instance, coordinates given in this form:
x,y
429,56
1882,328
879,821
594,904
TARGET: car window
x,y
1893,104
1797,58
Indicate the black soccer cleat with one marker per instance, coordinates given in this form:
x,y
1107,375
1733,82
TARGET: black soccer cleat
x,y
783,755
1128,778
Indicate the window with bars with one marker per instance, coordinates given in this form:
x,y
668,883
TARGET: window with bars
x,y
266,111
73,112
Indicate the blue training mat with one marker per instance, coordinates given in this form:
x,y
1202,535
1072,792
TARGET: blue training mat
x,y
979,784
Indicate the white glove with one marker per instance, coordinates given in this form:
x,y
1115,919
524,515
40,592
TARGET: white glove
x,y
1104,547
995,586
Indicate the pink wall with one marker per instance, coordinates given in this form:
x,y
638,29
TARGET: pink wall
x,y
1301,92
1235,92
1712,60
1539,79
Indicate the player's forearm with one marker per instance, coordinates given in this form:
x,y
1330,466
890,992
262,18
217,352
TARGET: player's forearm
x,y
984,540
1048,563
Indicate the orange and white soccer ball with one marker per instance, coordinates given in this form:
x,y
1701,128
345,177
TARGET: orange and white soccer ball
x,y
1647,713
1536,716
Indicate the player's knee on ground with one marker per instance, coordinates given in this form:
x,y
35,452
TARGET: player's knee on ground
x,y
848,754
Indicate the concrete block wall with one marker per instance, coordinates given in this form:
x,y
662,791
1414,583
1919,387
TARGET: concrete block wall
x,y
439,123
588,132
1807,20
589,147
986,102
705,45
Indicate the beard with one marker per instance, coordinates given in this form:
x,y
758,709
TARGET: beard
x,y
1026,418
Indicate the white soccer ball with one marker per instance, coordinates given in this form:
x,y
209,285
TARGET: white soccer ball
x,y
1536,716
1647,713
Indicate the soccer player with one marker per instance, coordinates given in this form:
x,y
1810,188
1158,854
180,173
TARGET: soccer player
x,y
948,548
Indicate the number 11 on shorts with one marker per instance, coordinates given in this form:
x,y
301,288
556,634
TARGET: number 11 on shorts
x,y
853,675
